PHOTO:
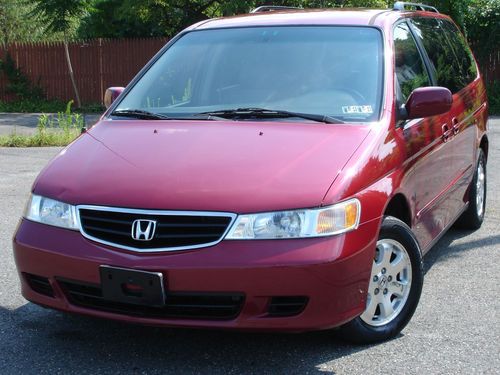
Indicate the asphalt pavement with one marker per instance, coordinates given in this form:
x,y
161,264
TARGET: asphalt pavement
x,y
25,123
455,330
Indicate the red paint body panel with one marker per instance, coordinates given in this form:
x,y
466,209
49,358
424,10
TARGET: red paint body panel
x,y
246,167
332,271
216,166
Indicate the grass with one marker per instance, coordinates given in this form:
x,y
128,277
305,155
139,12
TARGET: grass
x,y
45,106
38,140
50,131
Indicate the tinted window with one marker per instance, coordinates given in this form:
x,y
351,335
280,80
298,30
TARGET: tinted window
x,y
410,69
462,51
445,65
335,71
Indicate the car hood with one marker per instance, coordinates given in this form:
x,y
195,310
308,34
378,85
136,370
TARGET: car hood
x,y
215,166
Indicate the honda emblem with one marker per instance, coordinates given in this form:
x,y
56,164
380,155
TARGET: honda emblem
x,y
143,230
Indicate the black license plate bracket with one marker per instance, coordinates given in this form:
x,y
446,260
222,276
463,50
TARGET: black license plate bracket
x,y
132,286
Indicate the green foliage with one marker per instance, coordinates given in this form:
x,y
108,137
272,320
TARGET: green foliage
x,y
18,83
19,23
39,139
143,18
46,106
478,19
51,131
59,16
494,97
15,23
118,19
454,8
32,106
482,22
63,120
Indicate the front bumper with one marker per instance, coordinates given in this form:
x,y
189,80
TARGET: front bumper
x,y
332,273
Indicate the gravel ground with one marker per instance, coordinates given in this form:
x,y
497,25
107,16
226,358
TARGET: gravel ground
x,y
455,330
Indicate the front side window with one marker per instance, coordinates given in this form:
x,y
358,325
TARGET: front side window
x,y
410,68
334,71
443,57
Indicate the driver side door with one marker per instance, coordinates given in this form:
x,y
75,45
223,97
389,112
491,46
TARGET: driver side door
x,y
426,140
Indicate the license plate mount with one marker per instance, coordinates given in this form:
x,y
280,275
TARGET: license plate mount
x,y
132,286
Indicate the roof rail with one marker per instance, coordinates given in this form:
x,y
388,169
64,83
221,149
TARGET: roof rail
x,y
400,5
272,8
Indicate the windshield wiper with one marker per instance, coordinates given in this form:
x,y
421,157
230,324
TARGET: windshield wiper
x,y
202,117
271,113
145,115
140,114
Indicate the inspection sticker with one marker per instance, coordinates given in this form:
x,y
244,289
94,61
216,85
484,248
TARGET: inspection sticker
x,y
363,109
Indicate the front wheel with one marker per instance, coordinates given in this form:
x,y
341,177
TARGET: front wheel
x,y
395,286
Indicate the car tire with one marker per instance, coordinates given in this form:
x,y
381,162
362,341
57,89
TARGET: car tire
x,y
394,289
473,217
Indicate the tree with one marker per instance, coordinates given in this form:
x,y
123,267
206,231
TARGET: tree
x,y
482,23
143,18
146,18
15,24
59,17
9,16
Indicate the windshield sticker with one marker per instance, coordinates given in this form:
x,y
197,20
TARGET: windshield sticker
x,y
362,109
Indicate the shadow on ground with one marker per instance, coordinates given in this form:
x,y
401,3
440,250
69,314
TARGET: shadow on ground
x,y
449,247
93,344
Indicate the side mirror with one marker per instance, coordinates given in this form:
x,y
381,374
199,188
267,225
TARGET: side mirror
x,y
111,94
428,101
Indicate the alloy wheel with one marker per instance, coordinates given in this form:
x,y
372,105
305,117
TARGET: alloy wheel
x,y
390,283
480,189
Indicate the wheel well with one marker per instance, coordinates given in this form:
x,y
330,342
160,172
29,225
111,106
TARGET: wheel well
x,y
398,208
484,146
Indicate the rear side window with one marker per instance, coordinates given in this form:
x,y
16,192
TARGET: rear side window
x,y
463,53
410,69
445,64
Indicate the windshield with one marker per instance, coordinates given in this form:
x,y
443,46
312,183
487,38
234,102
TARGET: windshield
x,y
329,71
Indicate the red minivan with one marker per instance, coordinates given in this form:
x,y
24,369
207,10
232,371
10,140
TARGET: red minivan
x,y
281,170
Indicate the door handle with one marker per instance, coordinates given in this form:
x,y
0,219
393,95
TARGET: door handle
x,y
455,125
447,133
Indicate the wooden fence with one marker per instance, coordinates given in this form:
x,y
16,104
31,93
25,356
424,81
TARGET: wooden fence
x,y
101,63
490,67
97,64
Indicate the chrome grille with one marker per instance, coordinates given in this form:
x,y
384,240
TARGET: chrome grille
x,y
174,230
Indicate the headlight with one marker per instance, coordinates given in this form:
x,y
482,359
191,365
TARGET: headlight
x,y
51,212
327,221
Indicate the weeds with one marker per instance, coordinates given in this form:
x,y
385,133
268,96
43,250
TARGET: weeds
x,y
59,130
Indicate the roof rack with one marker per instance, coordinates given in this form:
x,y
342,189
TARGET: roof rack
x,y
400,5
272,8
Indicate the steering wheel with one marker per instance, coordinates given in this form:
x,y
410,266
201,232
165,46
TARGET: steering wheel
x,y
355,94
